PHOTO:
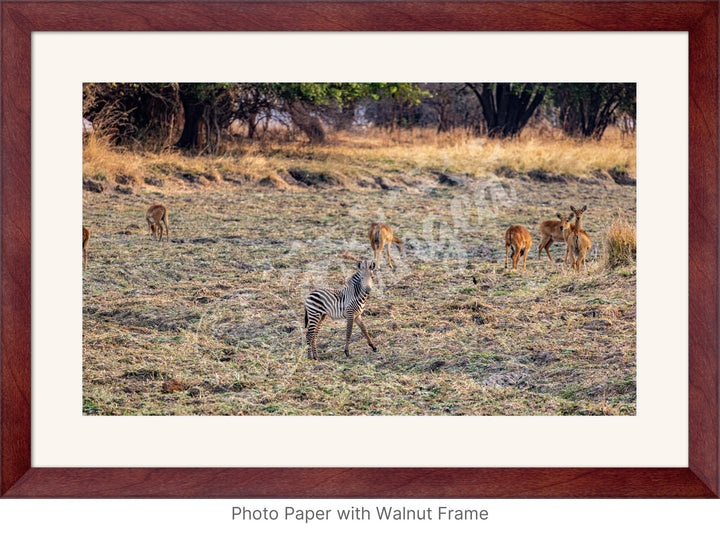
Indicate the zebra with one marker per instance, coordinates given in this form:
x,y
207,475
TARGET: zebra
x,y
347,303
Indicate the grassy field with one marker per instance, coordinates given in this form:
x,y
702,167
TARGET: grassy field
x,y
212,322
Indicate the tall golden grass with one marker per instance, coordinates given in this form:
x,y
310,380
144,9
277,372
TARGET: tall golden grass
x,y
620,243
350,155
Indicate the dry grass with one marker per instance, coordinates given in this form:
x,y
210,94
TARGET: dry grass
x,y
352,159
462,153
620,243
211,323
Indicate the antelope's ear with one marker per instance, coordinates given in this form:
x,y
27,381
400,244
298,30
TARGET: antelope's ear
x,y
572,208
571,216
558,216
584,208
372,266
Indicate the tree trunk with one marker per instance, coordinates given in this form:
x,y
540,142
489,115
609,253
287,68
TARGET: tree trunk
x,y
309,124
507,111
193,110
252,125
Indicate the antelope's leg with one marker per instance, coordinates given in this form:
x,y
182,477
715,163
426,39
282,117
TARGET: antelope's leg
x,y
547,249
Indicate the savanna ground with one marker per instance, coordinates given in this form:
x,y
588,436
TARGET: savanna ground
x,y
212,322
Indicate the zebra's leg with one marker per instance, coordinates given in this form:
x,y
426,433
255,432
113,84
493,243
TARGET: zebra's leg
x,y
364,330
317,330
350,321
314,323
310,337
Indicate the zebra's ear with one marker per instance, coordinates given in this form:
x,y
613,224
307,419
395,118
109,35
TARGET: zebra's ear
x,y
359,265
372,266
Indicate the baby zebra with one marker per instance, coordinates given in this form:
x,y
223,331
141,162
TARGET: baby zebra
x,y
347,304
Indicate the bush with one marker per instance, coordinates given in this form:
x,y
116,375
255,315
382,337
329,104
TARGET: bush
x,y
620,243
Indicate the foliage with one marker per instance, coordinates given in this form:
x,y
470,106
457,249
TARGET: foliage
x,y
198,116
588,109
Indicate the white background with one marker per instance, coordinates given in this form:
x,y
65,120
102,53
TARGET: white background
x,y
653,60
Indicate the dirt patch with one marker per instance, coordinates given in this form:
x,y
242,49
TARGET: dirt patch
x,y
91,185
451,180
622,177
544,177
173,385
221,307
310,178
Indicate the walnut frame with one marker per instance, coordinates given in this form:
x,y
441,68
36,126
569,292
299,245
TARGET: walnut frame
x,y
19,479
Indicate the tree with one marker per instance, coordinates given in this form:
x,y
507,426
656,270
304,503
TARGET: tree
x,y
507,107
127,112
209,104
587,109
304,102
253,103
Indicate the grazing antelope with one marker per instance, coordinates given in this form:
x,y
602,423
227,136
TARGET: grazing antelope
x,y
347,304
86,238
156,215
380,235
549,232
578,241
519,240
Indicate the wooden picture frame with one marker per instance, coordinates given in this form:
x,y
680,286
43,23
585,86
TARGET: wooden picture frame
x,y
19,479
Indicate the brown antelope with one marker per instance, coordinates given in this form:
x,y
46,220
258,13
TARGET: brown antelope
x,y
549,232
156,215
86,238
380,235
519,240
578,242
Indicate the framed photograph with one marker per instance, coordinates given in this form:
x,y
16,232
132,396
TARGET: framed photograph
x,y
213,392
